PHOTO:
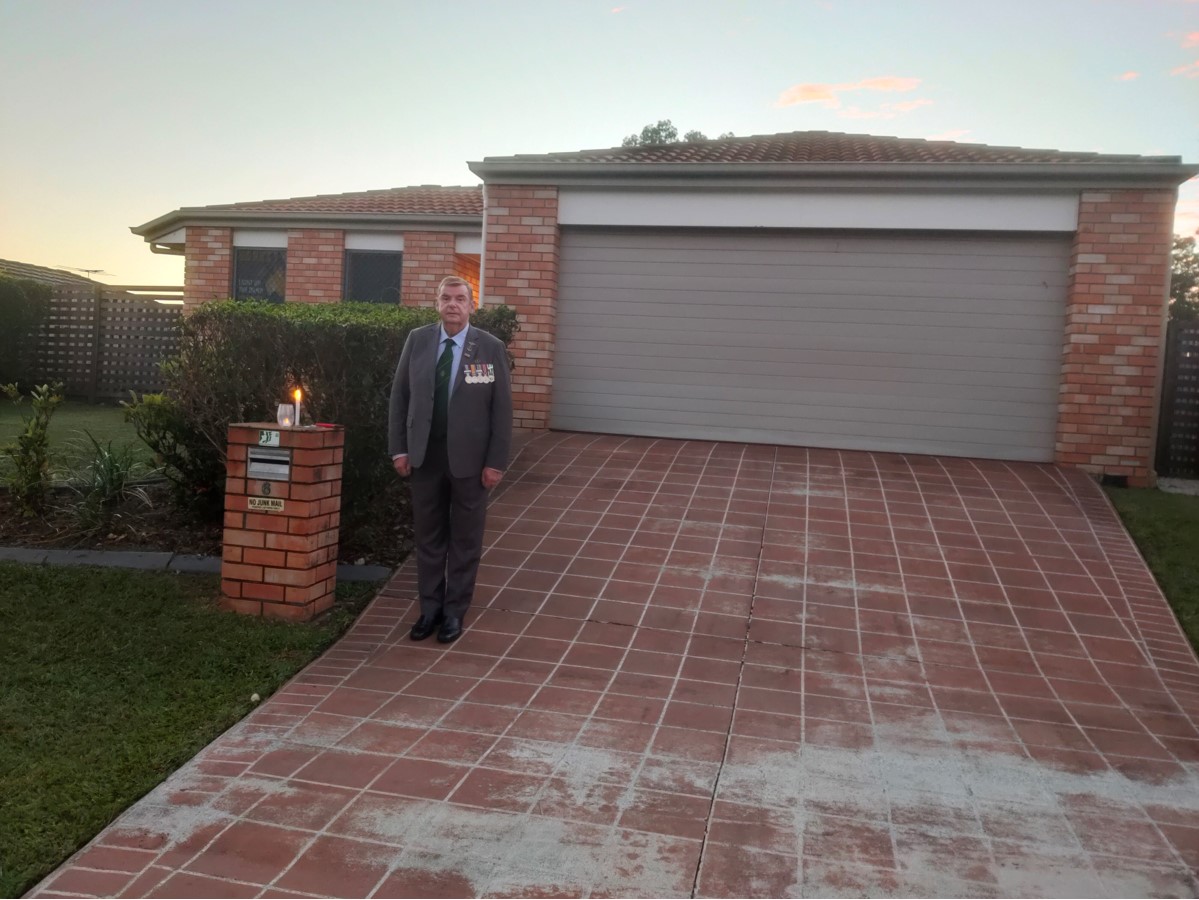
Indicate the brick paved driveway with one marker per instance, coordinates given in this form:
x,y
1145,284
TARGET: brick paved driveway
x,y
718,669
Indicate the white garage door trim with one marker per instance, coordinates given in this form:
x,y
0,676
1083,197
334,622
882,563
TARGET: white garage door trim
x,y
883,210
925,343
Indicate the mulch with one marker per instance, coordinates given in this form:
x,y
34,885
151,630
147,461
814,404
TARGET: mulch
x,y
132,525
162,527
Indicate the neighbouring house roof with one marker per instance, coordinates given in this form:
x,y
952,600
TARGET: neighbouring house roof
x,y
455,208
44,275
816,154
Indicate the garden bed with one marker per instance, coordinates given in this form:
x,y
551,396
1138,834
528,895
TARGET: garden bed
x,y
132,526
160,527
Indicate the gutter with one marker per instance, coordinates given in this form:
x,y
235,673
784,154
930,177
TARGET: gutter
x,y
200,215
1164,173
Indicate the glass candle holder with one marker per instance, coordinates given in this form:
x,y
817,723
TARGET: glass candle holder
x,y
285,414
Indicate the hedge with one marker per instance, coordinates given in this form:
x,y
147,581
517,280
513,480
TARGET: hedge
x,y
238,360
23,306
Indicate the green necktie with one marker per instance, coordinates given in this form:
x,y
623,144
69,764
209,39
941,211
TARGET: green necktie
x,y
441,390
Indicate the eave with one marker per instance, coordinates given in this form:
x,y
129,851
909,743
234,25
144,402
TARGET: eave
x,y
205,216
1001,176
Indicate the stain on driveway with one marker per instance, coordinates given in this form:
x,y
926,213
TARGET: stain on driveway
x,y
711,669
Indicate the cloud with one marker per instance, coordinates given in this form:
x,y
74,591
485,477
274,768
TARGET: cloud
x,y
1128,76
826,93
952,135
1186,219
1190,70
888,83
1186,213
1191,40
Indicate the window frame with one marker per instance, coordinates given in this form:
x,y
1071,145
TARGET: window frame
x,y
237,251
346,274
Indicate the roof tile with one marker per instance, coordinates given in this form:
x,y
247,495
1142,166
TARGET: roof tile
x,y
44,274
823,147
424,199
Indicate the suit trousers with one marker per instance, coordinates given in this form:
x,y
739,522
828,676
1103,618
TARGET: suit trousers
x,y
448,516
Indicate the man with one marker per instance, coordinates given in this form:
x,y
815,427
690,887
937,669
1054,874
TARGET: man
x,y
450,429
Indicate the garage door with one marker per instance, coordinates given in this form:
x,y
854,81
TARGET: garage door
x,y
911,343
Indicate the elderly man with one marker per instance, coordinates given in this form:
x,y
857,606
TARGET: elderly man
x,y
450,429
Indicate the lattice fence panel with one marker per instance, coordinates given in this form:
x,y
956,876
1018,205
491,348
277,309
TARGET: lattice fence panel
x,y
104,344
1178,438
136,335
67,345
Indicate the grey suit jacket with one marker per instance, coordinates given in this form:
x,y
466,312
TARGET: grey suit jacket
x,y
480,418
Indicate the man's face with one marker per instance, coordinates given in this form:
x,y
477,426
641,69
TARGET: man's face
x,y
453,305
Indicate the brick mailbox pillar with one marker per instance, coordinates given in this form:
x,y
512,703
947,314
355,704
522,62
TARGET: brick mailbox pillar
x,y
282,512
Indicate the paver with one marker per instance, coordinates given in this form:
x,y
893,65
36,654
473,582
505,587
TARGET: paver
x,y
711,669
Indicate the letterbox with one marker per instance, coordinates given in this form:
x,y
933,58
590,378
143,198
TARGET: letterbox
x,y
268,464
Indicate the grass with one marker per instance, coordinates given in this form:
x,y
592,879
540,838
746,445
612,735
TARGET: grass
x,y
71,420
1166,528
110,681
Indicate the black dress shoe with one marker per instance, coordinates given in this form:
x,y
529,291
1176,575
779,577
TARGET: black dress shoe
x,y
451,630
424,627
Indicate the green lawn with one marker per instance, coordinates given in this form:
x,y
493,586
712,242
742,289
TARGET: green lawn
x,y
111,679
71,420
1166,528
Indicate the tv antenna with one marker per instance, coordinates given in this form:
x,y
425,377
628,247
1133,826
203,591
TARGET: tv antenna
x,y
88,272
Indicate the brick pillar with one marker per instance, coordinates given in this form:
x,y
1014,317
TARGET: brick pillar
x,y
521,269
208,266
315,260
428,258
1115,326
280,549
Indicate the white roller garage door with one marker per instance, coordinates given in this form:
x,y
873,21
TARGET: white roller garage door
x,y
912,343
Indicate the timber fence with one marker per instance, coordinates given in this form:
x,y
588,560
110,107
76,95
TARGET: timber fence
x,y
103,342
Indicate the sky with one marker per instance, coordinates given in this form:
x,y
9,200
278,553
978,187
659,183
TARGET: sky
x,y
115,112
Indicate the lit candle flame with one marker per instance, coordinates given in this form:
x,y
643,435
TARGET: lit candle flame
x,y
298,394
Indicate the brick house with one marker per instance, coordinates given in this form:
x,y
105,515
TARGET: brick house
x,y
809,288
377,246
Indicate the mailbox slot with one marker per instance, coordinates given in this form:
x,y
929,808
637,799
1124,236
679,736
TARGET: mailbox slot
x,y
266,464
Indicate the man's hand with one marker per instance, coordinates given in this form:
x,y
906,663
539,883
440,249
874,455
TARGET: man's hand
x,y
491,477
402,466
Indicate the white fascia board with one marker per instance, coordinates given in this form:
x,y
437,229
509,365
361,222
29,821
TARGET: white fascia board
x,y
967,211
374,241
178,236
259,237
468,243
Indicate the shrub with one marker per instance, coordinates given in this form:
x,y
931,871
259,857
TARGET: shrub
x,y
102,477
237,360
29,477
194,467
23,306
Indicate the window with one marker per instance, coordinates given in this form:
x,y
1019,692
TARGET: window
x,y
373,276
259,274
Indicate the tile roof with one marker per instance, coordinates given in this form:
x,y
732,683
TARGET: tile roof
x,y
43,274
425,199
824,147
